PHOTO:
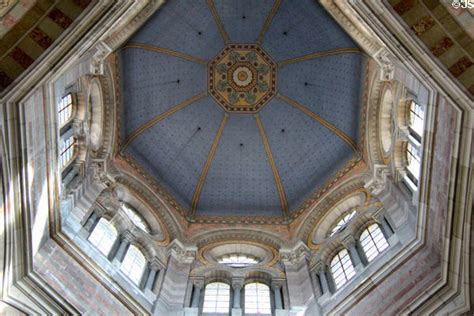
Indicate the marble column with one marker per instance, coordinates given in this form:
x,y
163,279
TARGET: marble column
x,y
90,223
198,284
125,239
237,284
323,280
350,243
276,287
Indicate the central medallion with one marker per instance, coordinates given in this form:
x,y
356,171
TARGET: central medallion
x,y
242,78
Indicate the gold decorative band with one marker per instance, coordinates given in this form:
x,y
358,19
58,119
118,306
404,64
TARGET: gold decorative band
x,y
268,21
321,121
166,51
217,19
276,175
207,165
319,54
161,117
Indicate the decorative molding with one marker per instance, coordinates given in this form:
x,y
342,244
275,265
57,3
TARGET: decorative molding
x,y
295,255
332,52
217,19
166,51
268,21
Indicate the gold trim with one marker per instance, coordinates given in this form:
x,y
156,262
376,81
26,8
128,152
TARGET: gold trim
x,y
276,175
268,21
270,263
166,51
319,54
321,121
217,19
161,117
207,165
309,241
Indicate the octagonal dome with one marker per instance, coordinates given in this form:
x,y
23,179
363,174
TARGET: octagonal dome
x,y
277,124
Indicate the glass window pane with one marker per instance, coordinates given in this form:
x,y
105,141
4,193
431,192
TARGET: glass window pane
x,y
217,298
342,269
257,299
373,241
342,222
103,236
136,219
134,263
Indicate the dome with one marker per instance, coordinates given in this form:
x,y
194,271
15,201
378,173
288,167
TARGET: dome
x,y
241,108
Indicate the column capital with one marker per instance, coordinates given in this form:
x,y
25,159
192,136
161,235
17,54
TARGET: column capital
x,y
320,266
155,264
295,255
237,283
128,236
181,253
277,284
198,282
348,241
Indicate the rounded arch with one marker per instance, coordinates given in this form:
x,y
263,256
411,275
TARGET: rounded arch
x,y
386,125
96,117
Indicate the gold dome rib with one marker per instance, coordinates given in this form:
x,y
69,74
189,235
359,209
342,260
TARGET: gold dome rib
x,y
268,21
337,51
166,51
217,19
276,174
161,117
321,121
207,165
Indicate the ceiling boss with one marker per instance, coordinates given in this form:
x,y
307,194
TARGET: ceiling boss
x,y
242,78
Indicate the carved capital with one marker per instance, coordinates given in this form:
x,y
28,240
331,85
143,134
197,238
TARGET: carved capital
x,y
198,282
277,284
128,236
295,255
348,241
155,264
181,253
100,52
387,62
320,267
237,283
379,179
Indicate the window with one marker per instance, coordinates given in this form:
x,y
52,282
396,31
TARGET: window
x,y
257,299
64,108
373,241
217,298
416,116
413,163
342,222
67,151
238,260
133,265
341,268
103,236
135,218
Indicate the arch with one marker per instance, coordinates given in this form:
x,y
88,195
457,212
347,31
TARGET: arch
x,y
216,298
133,264
257,299
96,109
386,120
103,236
342,268
373,241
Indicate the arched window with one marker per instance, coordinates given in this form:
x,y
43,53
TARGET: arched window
x,y
341,268
416,117
373,241
216,298
413,163
133,265
136,219
342,222
103,236
64,108
67,151
257,299
238,260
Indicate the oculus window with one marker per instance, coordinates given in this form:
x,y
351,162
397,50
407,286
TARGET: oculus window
x,y
238,260
342,222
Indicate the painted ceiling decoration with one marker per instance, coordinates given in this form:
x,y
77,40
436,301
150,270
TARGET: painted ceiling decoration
x,y
33,33
241,108
433,24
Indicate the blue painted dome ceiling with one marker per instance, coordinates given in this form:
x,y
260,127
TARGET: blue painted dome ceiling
x,y
241,108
